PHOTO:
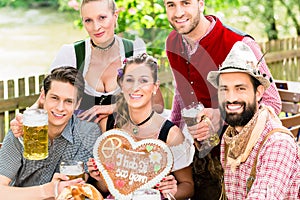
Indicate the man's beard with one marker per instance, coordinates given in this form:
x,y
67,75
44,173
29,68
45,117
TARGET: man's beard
x,y
194,24
235,119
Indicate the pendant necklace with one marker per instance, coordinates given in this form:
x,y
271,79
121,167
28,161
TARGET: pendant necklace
x,y
135,129
103,48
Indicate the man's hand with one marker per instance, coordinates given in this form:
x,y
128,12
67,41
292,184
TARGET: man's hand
x,y
61,181
16,125
200,131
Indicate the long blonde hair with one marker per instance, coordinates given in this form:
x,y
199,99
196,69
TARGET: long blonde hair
x,y
122,114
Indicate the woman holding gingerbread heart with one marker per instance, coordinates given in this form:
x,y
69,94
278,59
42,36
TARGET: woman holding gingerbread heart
x,y
134,114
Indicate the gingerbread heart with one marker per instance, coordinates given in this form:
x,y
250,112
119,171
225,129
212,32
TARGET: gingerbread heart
x,y
128,165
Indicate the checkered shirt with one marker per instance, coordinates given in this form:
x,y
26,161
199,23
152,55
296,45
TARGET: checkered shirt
x,y
76,142
277,171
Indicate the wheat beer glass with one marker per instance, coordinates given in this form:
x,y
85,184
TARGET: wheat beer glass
x,y
35,128
72,168
189,114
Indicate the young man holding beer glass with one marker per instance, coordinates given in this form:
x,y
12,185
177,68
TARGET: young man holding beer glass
x,y
69,139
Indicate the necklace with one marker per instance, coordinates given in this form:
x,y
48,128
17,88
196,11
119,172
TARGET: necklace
x,y
104,48
135,129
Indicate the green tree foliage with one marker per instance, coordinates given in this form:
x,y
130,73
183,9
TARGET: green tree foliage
x,y
27,3
279,17
219,5
293,11
147,19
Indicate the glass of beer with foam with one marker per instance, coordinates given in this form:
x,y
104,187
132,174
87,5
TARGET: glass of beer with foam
x,y
189,114
72,168
35,128
146,194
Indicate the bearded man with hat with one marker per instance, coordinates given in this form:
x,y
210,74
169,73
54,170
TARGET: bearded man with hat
x,y
259,156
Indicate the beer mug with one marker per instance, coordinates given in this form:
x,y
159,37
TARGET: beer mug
x,y
35,128
189,114
146,194
72,168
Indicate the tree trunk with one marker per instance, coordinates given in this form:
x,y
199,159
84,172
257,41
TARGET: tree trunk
x,y
270,20
292,16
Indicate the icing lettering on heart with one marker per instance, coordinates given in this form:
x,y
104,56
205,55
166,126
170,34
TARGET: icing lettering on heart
x,y
127,165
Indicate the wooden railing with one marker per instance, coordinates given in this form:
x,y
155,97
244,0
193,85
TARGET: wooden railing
x,y
15,96
283,59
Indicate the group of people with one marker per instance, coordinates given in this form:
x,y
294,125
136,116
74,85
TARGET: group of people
x,y
106,82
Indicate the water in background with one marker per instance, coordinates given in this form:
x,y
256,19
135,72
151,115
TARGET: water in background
x,y
30,40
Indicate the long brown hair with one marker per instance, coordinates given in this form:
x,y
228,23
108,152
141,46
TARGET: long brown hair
x,y
122,114
65,74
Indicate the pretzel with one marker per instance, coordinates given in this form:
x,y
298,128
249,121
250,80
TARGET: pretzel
x,y
79,192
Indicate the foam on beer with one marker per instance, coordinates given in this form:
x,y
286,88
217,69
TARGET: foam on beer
x,y
35,117
191,111
72,170
146,194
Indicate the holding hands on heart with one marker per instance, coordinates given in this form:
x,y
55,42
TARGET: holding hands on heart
x,y
146,147
127,165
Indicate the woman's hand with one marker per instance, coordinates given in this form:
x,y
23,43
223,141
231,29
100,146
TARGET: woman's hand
x,y
97,112
16,125
168,186
94,173
93,169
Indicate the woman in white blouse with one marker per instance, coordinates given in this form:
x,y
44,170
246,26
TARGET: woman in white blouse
x,y
134,114
99,57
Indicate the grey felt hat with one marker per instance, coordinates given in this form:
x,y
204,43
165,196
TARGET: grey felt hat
x,y
240,59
